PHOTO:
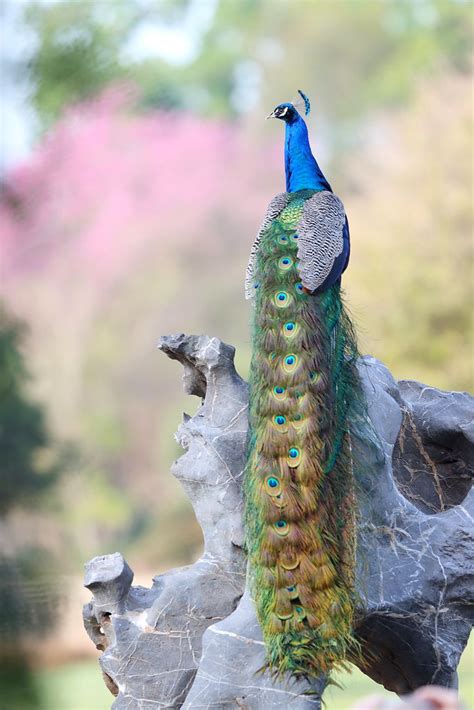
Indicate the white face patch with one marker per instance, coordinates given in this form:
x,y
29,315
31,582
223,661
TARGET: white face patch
x,y
284,111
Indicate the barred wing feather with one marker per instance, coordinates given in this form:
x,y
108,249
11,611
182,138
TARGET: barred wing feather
x,y
320,238
277,204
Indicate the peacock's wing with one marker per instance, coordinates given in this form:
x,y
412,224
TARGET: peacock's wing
x,y
322,240
277,204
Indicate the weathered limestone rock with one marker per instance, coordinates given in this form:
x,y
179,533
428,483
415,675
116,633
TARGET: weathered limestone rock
x,y
188,642
228,675
153,641
418,574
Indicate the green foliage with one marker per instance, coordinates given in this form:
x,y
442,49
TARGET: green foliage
x,y
27,467
28,608
76,56
411,224
352,56
82,47
18,687
72,686
28,594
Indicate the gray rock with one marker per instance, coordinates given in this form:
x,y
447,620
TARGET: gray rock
x,y
186,643
109,578
153,642
416,546
230,676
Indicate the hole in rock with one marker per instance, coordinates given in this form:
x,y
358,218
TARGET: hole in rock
x,y
433,475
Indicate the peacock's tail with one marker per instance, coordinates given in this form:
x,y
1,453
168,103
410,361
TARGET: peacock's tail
x,y
300,502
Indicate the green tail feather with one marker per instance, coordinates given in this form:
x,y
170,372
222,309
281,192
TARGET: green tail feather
x,y
299,485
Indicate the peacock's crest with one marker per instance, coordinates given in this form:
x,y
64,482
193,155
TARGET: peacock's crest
x,y
307,105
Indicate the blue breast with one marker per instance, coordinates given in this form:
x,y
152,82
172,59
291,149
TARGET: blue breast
x,y
303,173
302,170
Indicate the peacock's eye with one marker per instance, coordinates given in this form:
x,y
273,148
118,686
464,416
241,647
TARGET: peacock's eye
x,y
290,329
283,239
290,363
279,393
280,422
273,488
294,457
282,299
281,527
293,592
285,263
299,287
298,422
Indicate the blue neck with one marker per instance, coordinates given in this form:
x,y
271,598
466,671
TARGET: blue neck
x,y
301,168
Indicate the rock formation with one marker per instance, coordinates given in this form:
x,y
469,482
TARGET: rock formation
x,y
192,640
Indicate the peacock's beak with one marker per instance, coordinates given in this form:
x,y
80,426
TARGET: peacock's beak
x,y
270,115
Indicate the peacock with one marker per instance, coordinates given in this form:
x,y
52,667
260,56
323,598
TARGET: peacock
x,y
305,392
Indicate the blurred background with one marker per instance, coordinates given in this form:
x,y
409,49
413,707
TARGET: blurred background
x,y
136,168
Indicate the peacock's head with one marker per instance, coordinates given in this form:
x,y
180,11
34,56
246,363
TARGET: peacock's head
x,y
287,111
